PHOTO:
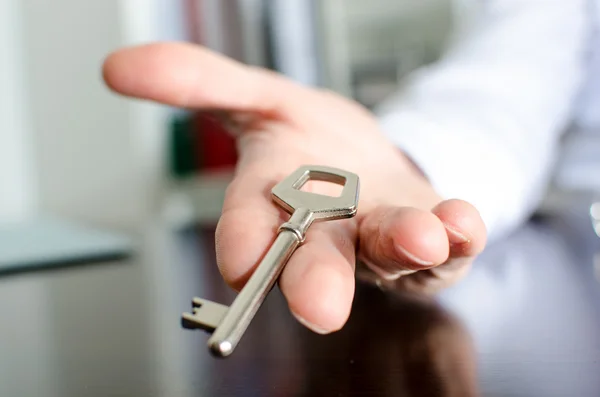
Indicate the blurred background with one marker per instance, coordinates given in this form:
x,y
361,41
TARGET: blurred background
x,y
85,174
71,150
77,161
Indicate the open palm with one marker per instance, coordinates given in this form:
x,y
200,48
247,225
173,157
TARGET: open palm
x,y
404,232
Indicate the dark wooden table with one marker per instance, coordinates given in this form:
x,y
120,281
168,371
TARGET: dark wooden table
x,y
526,322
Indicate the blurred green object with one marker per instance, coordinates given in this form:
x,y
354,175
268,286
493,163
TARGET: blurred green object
x,y
182,156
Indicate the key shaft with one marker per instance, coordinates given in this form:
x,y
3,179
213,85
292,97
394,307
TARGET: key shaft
x,y
243,309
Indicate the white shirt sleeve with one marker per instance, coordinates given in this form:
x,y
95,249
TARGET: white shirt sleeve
x,y
484,122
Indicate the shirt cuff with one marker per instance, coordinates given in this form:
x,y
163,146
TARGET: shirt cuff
x,y
464,163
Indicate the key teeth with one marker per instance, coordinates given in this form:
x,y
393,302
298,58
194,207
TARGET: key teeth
x,y
190,321
197,302
198,320
187,321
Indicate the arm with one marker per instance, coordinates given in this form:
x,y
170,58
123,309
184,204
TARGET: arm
x,y
484,123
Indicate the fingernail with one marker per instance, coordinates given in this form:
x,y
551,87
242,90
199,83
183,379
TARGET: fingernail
x,y
390,275
310,326
404,252
456,235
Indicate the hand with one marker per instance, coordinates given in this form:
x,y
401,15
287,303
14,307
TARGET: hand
x,y
403,231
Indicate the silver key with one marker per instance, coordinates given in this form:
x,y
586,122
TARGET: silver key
x,y
228,324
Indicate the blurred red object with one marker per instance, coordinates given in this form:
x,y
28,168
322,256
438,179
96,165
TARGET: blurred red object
x,y
215,147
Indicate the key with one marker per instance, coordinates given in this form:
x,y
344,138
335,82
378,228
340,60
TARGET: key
x,y
228,324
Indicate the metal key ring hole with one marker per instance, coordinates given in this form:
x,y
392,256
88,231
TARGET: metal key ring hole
x,y
322,176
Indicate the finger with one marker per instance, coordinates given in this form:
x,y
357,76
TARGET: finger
x,y
318,281
190,76
247,226
400,241
464,226
467,238
249,219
